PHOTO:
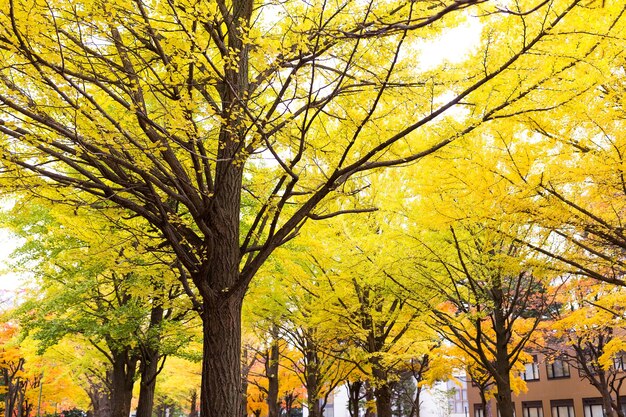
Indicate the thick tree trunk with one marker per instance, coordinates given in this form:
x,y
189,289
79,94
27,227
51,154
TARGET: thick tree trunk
x,y
221,394
271,370
122,381
607,405
383,400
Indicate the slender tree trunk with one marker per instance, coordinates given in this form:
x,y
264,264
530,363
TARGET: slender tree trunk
x,y
100,399
312,380
504,399
149,369
122,381
221,393
271,370
20,401
150,364
369,400
415,407
354,397
193,408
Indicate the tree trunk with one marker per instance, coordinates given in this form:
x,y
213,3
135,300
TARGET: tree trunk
x,y
150,363
354,397
607,405
415,408
382,393
149,369
503,366
193,409
100,399
221,393
312,381
369,399
122,381
271,370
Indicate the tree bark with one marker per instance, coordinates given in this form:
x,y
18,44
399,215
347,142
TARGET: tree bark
x,y
382,393
100,399
607,405
271,370
221,393
150,364
193,408
502,378
122,382
369,399
354,397
149,370
416,407
312,380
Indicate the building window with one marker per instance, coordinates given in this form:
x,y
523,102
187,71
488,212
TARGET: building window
x,y
592,407
531,373
562,408
479,411
532,409
619,362
558,369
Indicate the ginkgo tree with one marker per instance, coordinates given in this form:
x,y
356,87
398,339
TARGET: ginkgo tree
x,y
587,335
86,284
176,109
375,326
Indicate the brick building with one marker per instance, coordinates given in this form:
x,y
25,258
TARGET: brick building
x,y
555,389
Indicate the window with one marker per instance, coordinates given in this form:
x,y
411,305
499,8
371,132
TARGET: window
x,y
478,410
619,362
531,373
592,407
532,409
562,408
558,369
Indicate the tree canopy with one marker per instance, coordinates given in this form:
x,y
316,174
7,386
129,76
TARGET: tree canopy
x,y
218,129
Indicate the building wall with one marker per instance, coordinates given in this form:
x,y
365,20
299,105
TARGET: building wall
x,y
545,390
445,399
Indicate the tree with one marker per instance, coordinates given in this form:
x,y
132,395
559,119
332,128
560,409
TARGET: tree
x,y
29,381
377,329
89,284
169,109
587,336
492,300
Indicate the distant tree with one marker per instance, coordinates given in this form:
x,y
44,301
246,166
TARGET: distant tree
x,y
491,300
587,337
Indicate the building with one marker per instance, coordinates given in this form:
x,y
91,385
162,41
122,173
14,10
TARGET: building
x,y
555,389
445,399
